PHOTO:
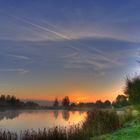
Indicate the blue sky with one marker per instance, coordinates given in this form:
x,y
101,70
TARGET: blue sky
x,y
81,48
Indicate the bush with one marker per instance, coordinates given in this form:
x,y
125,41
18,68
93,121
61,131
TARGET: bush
x,y
102,121
132,89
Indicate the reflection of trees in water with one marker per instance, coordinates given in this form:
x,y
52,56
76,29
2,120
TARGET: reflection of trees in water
x,y
73,112
65,115
10,114
55,114
81,112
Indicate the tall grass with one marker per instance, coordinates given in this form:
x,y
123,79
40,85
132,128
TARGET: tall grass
x,y
7,135
101,122
97,122
56,133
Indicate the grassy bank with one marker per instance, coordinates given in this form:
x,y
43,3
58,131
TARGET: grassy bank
x,y
130,129
130,132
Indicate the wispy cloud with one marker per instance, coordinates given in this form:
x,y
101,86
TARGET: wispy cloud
x,y
19,57
100,65
18,71
84,56
92,61
77,47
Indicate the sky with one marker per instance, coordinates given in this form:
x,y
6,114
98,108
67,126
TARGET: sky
x,y
83,49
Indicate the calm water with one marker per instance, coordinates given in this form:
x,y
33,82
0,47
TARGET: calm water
x,y
34,119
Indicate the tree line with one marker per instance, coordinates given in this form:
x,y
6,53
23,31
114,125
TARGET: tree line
x,y
131,96
120,101
12,101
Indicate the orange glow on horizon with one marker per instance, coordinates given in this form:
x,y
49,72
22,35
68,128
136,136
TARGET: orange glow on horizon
x,y
80,95
76,97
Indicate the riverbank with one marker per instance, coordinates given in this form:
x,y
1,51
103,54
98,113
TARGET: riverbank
x,y
130,130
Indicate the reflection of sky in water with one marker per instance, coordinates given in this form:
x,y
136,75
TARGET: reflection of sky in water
x,y
21,120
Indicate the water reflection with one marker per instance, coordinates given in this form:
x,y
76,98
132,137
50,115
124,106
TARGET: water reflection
x,y
55,114
10,114
18,120
65,115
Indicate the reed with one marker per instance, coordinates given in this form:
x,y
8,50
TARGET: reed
x,y
101,122
7,135
74,132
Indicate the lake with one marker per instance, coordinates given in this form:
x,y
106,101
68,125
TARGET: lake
x,y
18,120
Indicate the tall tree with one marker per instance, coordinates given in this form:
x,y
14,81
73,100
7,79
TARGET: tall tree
x,y
132,89
107,103
99,104
56,103
66,101
122,100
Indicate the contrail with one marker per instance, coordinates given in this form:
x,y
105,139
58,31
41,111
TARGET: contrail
x,y
59,35
47,30
42,28
38,26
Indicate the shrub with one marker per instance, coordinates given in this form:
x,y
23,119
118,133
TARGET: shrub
x,y
132,89
102,121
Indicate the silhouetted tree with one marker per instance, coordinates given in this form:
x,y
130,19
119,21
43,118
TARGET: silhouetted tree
x,y
73,105
31,104
99,104
121,100
56,103
107,103
66,101
132,89
8,98
12,101
2,98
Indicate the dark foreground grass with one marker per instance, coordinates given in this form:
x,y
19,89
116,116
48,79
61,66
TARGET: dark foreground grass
x,y
7,135
74,132
56,133
97,122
